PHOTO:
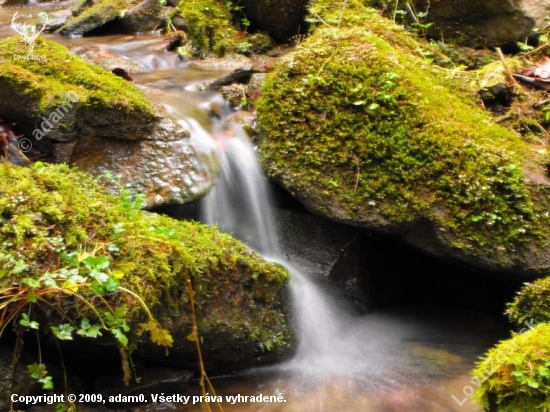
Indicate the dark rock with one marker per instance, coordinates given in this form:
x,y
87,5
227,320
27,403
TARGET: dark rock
x,y
23,383
241,75
152,381
281,19
146,16
95,16
480,24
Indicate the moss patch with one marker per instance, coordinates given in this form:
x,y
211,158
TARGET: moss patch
x,y
532,304
363,130
48,213
515,375
60,72
96,16
212,29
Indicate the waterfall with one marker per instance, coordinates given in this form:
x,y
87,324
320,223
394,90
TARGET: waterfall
x,y
342,362
239,203
328,343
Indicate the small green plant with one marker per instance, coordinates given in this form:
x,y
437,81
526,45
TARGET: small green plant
x,y
515,375
86,277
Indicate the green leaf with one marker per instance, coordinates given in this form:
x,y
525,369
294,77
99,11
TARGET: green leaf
x,y
32,283
111,285
38,371
63,331
47,382
533,383
100,262
88,330
121,337
26,322
374,106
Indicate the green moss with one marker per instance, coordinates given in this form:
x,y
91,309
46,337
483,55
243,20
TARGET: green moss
x,y
515,375
47,213
211,29
361,128
97,15
532,304
60,72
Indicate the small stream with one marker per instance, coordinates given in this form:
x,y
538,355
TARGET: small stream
x,y
395,360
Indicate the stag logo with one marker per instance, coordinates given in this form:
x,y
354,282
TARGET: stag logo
x,y
29,32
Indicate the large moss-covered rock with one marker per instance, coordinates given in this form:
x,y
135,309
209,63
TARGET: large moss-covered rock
x,y
96,16
55,222
363,130
53,94
61,98
217,28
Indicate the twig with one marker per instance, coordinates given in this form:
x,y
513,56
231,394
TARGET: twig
x,y
342,12
509,75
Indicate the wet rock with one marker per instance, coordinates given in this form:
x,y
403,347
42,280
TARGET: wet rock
x,y
229,62
310,242
58,19
108,60
327,250
146,16
23,384
95,16
486,24
240,75
234,94
169,167
286,17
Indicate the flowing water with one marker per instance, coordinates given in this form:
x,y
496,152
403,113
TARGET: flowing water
x,y
393,361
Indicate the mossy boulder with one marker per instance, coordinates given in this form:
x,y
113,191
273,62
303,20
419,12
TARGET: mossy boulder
x,y
144,17
55,222
54,93
480,24
515,374
363,130
60,97
96,15
217,28
532,304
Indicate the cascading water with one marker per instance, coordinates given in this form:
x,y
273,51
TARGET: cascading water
x,y
342,363
328,344
239,203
